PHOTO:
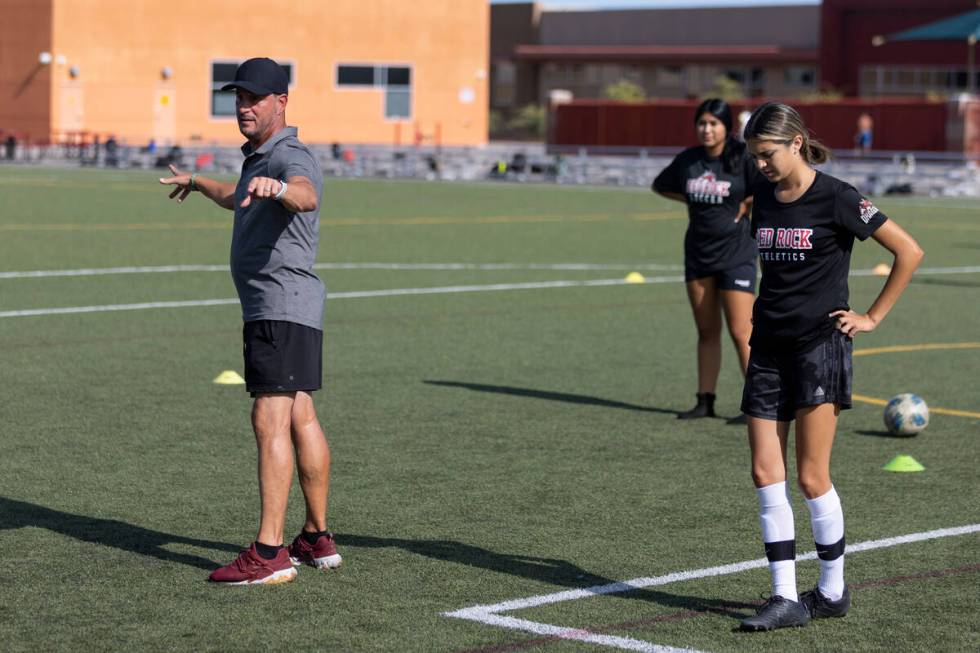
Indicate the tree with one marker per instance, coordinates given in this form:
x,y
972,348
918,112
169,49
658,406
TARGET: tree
x,y
529,120
726,88
624,91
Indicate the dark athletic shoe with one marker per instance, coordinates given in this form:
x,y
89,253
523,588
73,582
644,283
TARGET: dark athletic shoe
x,y
820,607
249,568
322,555
777,612
704,408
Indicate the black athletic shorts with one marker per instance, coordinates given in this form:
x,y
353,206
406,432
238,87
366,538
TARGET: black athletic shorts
x,y
282,357
777,384
739,277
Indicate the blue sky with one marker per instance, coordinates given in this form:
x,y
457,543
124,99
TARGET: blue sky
x,y
663,4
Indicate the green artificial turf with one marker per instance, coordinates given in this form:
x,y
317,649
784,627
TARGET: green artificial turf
x,y
487,446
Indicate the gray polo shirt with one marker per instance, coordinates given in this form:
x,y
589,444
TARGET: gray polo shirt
x,y
273,250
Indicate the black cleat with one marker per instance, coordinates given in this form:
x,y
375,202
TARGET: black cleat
x,y
777,612
819,606
705,407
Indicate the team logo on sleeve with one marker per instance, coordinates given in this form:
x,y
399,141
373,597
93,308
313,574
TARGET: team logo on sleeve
x,y
707,189
867,210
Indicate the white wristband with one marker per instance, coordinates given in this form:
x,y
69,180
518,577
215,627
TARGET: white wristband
x,y
282,191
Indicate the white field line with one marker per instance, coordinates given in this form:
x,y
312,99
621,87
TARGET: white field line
x,y
356,294
577,634
489,614
395,292
163,269
160,269
963,269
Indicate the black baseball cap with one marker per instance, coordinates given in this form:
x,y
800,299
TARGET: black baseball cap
x,y
260,76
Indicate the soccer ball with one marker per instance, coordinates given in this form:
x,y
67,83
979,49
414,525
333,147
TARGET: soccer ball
x,y
906,414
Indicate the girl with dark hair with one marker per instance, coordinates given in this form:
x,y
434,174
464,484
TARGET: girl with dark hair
x,y
715,179
805,223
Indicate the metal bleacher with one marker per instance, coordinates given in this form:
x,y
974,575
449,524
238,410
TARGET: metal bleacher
x,y
876,173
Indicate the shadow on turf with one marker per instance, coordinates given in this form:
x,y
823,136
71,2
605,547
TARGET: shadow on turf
x,y
546,570
955,283
549,395
884,434
107,532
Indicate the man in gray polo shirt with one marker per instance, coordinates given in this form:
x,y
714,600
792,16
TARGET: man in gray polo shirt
x,y
273,247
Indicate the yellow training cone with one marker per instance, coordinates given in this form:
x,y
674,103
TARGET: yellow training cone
x,y
882,270
903,464
229,377
635,277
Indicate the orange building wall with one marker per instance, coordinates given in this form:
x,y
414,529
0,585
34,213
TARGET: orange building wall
x,y
119,48
25,83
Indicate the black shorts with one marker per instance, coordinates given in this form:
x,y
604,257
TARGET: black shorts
x,y
739,277
778,384
282,357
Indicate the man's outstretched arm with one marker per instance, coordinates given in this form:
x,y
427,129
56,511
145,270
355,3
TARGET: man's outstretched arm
x,y
221,193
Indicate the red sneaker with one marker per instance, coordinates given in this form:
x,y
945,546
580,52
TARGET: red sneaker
x,y
322,555
249,568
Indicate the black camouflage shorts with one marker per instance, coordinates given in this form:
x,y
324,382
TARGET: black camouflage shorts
x,y
776,384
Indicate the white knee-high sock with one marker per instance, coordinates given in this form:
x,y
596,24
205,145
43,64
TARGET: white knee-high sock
x,y
827,520
779,536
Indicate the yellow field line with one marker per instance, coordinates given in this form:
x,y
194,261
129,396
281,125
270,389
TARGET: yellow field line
x,y
870,400
926,347
945,226
907,348
942,411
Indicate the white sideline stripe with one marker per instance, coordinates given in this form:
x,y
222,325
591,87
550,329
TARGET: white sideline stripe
x,y
964,269
579,635
488,614
356,294
395,292
159,269
30,312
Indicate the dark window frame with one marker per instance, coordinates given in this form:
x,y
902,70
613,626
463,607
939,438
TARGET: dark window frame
x,y
232,64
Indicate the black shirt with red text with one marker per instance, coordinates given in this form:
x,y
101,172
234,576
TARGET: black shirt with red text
x,y
805,252
714,241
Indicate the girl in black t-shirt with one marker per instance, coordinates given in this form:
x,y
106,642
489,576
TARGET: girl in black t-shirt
x,y
715,179
805,223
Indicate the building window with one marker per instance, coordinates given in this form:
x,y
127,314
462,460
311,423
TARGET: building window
x,y
398,103
799,76
912,80
504,83
736,75
398,92
672,76
355,75
223,72
395,81
398,76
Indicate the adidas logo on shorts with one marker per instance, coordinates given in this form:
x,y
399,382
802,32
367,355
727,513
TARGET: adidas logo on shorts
x,y
743,283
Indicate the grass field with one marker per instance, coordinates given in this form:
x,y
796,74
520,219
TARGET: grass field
x,y
489,445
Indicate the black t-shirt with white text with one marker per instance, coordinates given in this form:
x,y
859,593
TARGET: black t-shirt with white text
x,y
805,252
714,241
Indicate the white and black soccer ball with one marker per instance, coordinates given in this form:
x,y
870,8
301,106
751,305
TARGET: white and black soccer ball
x,y
906,414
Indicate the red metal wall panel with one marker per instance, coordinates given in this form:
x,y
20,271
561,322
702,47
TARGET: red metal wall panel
x,y
847,27
898,124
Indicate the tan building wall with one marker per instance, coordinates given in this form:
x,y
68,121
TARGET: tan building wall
x,y
142,69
